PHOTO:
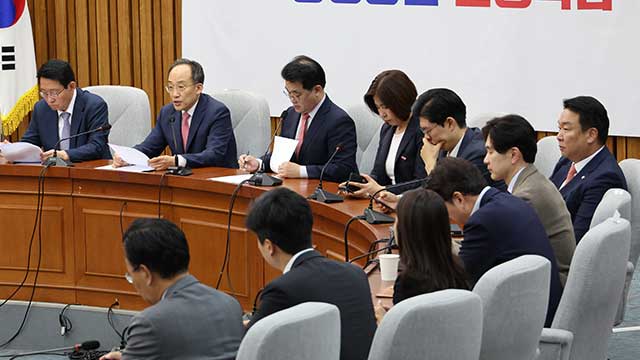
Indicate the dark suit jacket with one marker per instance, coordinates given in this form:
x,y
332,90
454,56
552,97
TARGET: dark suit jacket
x,y
408,163
504,228
316,278
211,141
584,192
330,127
192,321
472,149
89,112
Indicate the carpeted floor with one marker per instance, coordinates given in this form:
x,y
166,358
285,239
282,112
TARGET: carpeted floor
x,y
626,346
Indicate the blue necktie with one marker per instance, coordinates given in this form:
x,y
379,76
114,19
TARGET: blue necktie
x,y
66,130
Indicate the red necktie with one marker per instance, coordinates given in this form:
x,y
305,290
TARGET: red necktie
x,y
571,174
303,130
185,130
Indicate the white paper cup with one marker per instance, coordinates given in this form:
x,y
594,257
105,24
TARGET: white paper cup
x,y
389,266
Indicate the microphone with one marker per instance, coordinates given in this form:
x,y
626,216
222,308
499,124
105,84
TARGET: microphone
x,y
260,178
320,194
56,161
177,169
376,217
87,345
367,254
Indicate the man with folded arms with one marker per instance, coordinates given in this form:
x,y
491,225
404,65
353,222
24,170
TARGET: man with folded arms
x,y
282,221
498,226
187,320
586,169
511,150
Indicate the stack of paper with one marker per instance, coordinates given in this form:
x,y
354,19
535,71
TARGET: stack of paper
x,y
138,161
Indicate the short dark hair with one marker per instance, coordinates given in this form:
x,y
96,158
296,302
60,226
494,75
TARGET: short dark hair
x,y
437,104
58,70
592,114
396,91
455,174
512,131
305,70
197,73
284,217
424,238
159,245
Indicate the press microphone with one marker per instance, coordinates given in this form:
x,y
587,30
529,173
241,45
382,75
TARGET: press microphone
x,y
56,161
87,345
320,194
177,169
260,178
376,217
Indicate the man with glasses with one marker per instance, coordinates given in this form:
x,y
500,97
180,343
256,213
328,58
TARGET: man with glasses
x,y
196,127
66,110
317,123
187,320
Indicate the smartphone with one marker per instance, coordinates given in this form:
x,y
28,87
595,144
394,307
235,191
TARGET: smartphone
x,y
357,178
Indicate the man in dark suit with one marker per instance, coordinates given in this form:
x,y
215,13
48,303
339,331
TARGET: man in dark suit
x,y
319,125
187,320
66,110
282,221
196,127
443,122
586,169
498,226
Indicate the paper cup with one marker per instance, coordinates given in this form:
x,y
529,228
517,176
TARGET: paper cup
x,y
389,266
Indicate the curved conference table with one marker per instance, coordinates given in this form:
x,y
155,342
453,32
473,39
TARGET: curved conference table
x,y
85,210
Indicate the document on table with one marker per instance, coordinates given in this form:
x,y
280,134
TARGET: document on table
x,y
21,152
138,161
233,179
283,149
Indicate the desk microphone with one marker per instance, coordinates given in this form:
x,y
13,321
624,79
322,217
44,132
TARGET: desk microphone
x,y
177,169
367,254
322,195
260,178
87,345
56,161
376,217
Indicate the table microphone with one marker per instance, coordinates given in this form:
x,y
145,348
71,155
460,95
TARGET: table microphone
x,y
367,254
322,195
376,217
56,161
260,178
87,345
177,169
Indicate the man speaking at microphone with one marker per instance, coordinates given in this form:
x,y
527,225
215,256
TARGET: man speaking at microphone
x,y
64,111
319,125
187,319
196,127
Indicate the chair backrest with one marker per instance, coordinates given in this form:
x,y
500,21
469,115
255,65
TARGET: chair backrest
x,y
443,325
593,289
481,120
129,113
631,170
250,118
368,127
309,331
548,155
613,200
514,296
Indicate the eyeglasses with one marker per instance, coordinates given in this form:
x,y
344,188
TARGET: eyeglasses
x,y
178,88
426,131
128,276
293,95
53,94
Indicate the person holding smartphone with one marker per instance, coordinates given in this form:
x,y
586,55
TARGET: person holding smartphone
x,y
391,95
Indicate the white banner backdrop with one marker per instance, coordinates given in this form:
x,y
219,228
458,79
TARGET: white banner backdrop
x,y
497,59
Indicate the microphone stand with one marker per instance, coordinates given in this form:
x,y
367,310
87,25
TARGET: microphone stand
x,y
322,195
177,169
56,161
375,217
260,178
367,254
